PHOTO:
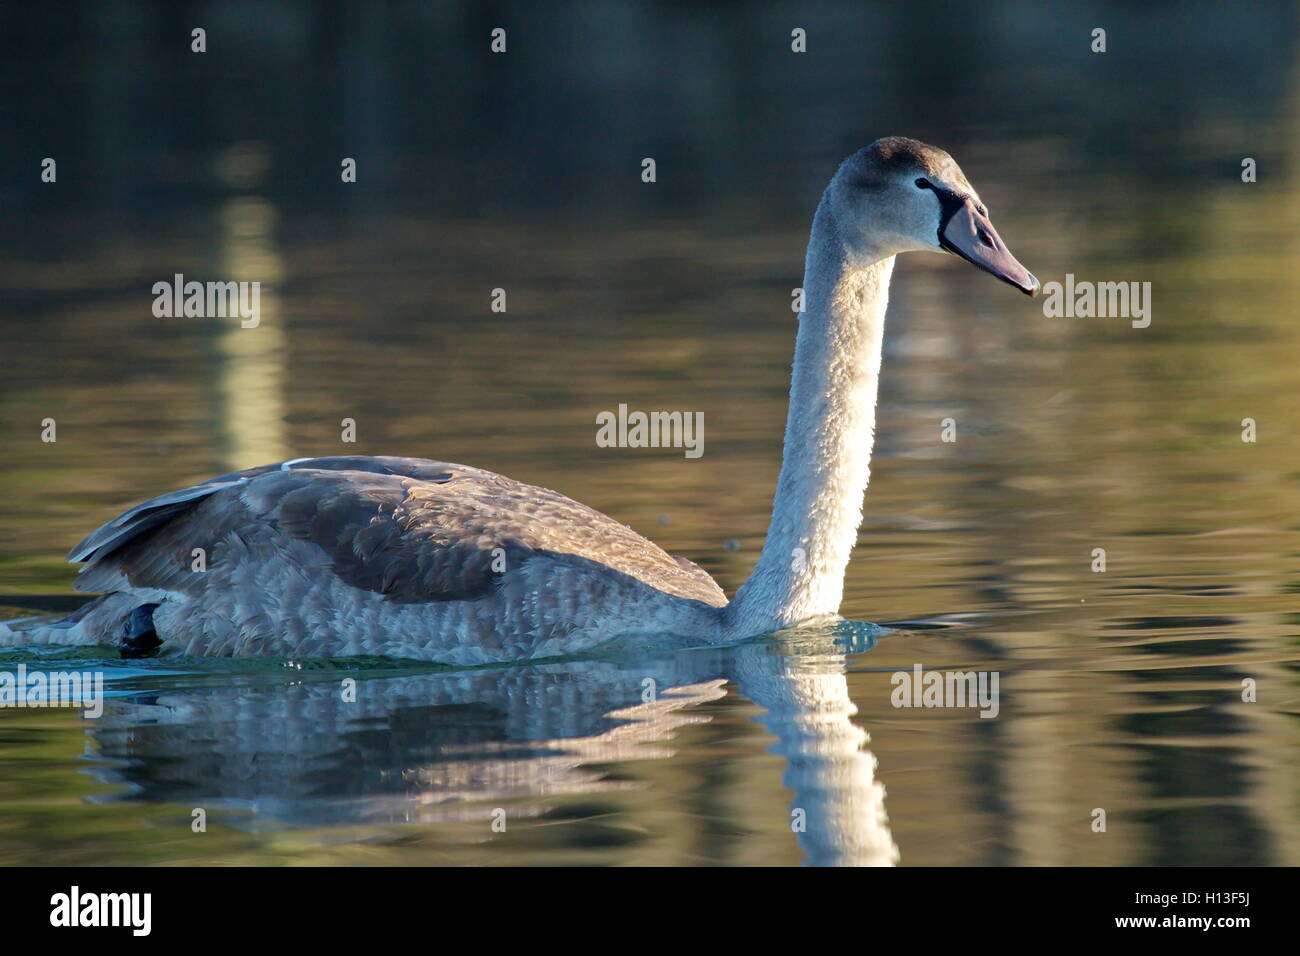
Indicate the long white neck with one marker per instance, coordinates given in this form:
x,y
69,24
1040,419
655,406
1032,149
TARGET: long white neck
x,y
828,438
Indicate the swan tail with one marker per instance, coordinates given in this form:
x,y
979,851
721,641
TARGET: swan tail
x,y
112,619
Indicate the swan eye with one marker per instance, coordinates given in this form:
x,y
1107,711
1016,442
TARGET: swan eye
x,y
923,183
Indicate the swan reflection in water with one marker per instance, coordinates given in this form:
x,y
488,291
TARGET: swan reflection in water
x,y
451,745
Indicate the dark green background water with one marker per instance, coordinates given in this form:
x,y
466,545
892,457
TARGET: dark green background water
x,y
1120,690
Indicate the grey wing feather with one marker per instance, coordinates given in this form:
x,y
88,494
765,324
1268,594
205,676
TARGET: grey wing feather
x,y
410,529
149,514
142,517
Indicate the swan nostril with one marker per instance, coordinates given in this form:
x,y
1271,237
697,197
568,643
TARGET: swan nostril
x,y
987,239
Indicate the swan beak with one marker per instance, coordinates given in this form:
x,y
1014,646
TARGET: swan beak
x,y
969,234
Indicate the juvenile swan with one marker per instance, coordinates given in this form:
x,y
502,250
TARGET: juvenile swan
x,y
443,562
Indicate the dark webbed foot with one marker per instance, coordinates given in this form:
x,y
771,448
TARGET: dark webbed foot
x,y
140,639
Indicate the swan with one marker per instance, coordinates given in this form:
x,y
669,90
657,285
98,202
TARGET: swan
x,y
452,564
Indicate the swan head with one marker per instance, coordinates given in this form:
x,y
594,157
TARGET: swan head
x,y
900,195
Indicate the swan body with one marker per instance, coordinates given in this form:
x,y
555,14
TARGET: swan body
x,y
443,562
398,556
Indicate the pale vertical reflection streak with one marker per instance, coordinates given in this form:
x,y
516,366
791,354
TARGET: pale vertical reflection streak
x,y
250,379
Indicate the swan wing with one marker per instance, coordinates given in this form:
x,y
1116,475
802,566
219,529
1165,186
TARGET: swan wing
x,y
413,530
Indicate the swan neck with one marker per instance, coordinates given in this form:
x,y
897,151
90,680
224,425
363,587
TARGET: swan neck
x,y
828,437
